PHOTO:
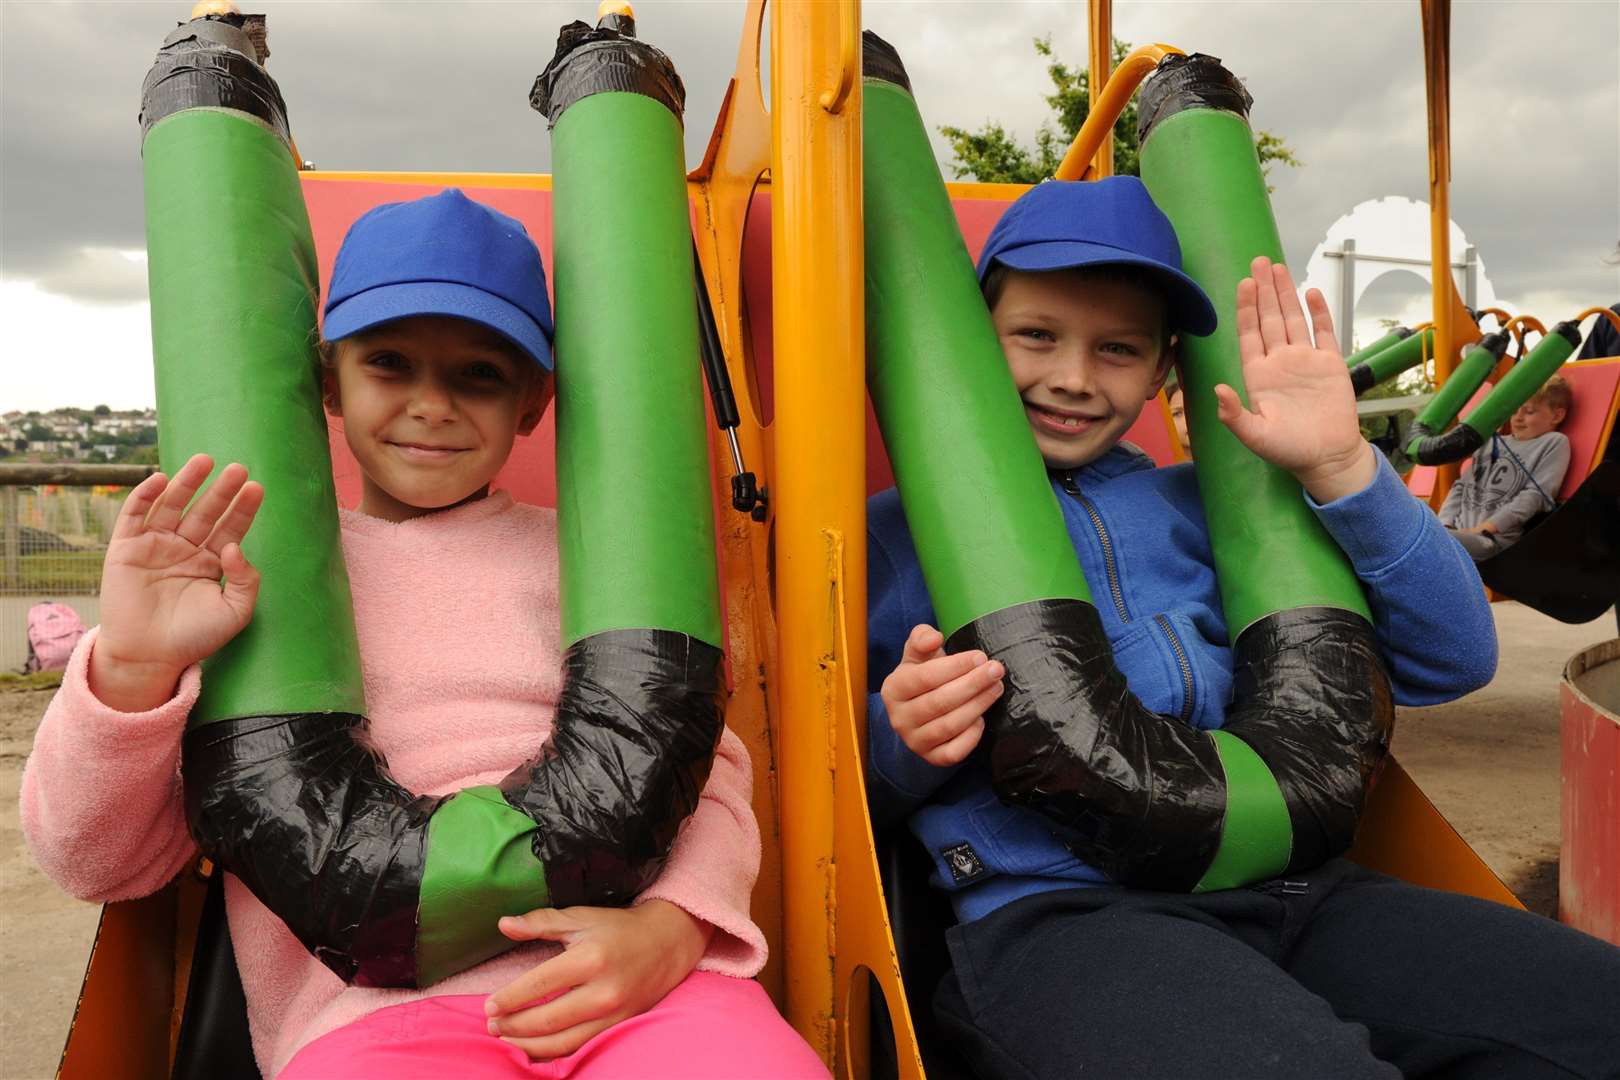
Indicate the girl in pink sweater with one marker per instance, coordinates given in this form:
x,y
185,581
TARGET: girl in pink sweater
x,y
433,389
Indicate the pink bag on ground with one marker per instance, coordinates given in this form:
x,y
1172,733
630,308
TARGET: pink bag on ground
x,y
53,630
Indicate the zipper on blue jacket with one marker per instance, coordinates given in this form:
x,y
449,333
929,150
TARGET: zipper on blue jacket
x,y
1186,668
1107,546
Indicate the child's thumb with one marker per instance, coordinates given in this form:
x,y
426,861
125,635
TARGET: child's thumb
x,y
241,580
1229,407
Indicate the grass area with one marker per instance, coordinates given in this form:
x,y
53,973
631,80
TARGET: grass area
x,y
39,680
65,572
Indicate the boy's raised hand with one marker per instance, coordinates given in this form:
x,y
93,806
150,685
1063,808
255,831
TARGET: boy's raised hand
x,y
936,702
162,605
1302,409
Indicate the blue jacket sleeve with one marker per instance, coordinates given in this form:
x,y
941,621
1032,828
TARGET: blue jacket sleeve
x,y
897,780
1428,605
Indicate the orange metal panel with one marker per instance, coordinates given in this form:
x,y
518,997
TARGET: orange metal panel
x,y
1403,835
1589,801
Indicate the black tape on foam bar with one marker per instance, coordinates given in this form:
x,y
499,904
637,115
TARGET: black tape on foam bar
x,y
1142,794
211,63
1432,449
310,821
880,60
634,739
1311,696
1189,82
598,60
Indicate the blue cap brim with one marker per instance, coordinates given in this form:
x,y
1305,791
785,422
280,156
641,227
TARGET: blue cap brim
x,y
1189,308
386,303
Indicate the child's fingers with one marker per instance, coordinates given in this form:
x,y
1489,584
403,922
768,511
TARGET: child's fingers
x,y
132,518
216,497
957,692
1322,322
1250,345
960,747
910,681
923,643
562,972
564,1042
1273,335
190,476
1293,316
938,738
236,521
584,1003
541,924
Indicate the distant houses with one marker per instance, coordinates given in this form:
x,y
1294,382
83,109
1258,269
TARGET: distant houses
x,y
99,434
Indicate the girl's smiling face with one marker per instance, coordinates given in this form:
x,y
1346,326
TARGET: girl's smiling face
x,y
1085,353
431,406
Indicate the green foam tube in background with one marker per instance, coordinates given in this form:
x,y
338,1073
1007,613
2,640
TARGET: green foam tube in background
x,y
1520,384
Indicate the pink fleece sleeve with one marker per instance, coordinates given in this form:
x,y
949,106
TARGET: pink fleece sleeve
x,y
711,871
102,810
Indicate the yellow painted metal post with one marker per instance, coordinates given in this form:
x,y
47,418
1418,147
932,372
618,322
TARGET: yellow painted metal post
x,y
1437,83
817,282
1100,38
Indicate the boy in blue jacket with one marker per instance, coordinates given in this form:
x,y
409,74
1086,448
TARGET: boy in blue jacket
x,y
1337,972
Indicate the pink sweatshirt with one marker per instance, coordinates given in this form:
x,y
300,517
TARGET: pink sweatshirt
x,y
458,621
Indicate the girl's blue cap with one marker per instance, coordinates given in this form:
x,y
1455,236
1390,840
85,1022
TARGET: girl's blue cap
x,y
1066,224
441,255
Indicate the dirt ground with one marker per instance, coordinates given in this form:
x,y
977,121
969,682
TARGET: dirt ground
x,y
1490,762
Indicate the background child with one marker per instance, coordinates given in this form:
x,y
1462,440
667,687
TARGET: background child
x,y
1334,972
1178,417
441,357
1513,479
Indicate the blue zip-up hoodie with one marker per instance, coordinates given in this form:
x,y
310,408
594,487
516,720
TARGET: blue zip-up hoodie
x,y
1144,547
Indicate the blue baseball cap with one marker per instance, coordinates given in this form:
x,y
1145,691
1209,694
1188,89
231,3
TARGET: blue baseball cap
x,y
441,255
1065,224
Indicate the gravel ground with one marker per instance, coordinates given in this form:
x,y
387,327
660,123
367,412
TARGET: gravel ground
x,y
1490,762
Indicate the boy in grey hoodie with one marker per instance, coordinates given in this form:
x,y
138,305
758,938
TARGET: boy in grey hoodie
x,y
1513,479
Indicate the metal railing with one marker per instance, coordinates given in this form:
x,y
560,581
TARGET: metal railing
x,y
55,520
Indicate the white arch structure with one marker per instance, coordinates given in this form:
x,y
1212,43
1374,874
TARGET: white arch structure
x,y
1379,236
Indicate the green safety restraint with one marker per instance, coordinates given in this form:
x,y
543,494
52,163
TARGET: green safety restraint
x,y
388,888
1144,797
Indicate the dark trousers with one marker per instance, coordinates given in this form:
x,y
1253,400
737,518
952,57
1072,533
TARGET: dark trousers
x,y
1335,973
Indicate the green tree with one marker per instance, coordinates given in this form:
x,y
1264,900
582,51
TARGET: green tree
x,y
991,154
103,410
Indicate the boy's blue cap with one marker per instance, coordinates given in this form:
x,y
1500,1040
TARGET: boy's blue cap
x,y
441,255
1064,224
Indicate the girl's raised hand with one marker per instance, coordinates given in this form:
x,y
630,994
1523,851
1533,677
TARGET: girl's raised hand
x,y
162,605
1302,409
616,963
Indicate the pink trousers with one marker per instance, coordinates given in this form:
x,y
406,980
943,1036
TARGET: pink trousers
x,y
711,1027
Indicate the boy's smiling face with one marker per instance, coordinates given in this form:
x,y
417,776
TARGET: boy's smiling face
x,y
1086,353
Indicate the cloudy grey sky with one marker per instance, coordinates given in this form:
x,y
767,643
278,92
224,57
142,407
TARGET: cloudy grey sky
x,y
430,85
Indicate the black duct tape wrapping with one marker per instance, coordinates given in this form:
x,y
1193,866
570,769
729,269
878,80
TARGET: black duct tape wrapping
x,y
211,63
636,730
1143,795
309,819
1311,696
1432,449
1188,82
1362,379
880,60
598,60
